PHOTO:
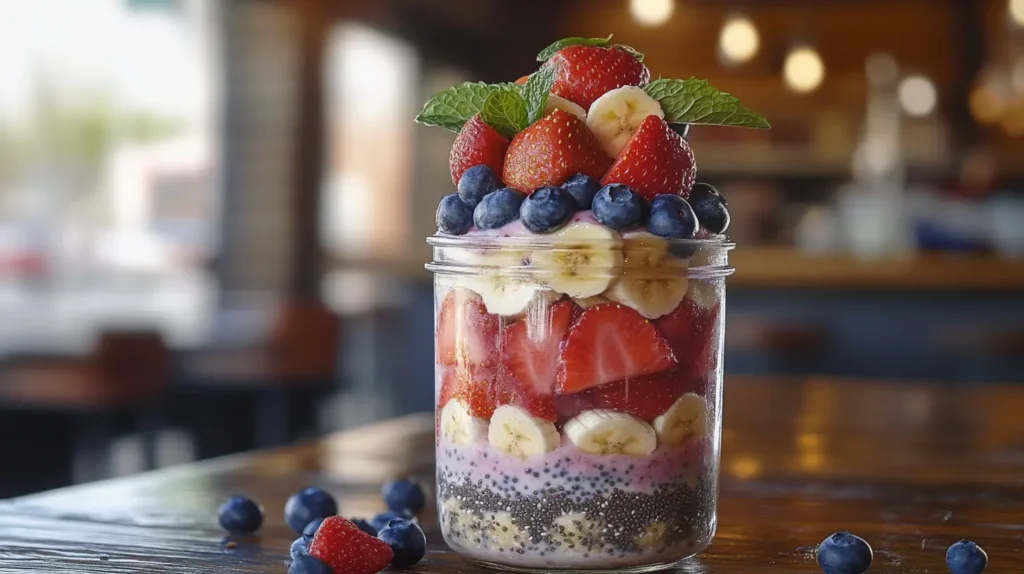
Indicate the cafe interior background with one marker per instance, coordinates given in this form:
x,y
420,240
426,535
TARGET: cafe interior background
x,y
213,212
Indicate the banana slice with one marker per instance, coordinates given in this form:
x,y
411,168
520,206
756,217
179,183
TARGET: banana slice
x,y
705,293
653,537
460,427
502,293
617,114
559,103
686,418
574,532
602,431
582,261
588,302
502,532
653,281
461,521
520,434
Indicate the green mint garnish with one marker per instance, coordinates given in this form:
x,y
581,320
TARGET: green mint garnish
x,y
546,53
535,92
505,111
454,106
695,101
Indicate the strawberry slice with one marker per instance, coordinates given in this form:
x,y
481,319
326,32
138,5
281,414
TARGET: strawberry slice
x,y
585,73
466,333
691,333
477,143
655,161
609,343
568,406
478,388
347,550
531,348
643,397
554,148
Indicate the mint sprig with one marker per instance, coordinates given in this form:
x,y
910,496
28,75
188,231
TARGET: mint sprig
x,y
452,107
551,50
535,92
505,111
695,101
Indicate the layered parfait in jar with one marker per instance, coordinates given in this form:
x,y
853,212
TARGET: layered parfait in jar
x,y
579,308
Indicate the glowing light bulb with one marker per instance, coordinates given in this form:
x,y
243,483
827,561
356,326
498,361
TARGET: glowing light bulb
x,y
651,12
739,40
917,95
804,70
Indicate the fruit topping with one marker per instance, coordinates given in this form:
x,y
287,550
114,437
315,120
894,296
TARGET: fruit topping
x,y
474,388
498,208
643,397
582,188
687,418
585,73
654,161
309,504
583,259
477,143
601,431
405,494
547,209
614,116
458,426
476,182
240,515
453,215
610,343
515,431
365,526
672,217
348,550
690,332
654,281
711,209
379,521
466,332
844,553
616,206
407,542
551,150
531,348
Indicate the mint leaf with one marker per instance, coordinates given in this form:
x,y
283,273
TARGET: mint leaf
x,y
452,107
631,50
546,53
535,92
695,101
505,111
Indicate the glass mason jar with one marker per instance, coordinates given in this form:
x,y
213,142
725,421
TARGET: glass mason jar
x,y
578,397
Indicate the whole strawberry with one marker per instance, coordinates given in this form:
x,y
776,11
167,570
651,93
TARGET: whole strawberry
x,y
477,143
347,550
552,150
655,161
585,73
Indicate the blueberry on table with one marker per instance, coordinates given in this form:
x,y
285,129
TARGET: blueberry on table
x,y
308,505
453,216
299,547
406,540
682,129
498,208
306,564
547,209
384,518
671,217
240,515
402,495
582,188
618,207
475,183
711,209
966,557
311,528
844,553
365,526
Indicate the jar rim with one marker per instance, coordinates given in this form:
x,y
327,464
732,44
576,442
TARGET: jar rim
x,y
719,242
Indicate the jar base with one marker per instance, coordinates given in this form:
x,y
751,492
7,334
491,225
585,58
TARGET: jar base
x,y
641,569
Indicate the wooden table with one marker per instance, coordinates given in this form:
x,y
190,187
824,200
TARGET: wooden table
x,y
910,467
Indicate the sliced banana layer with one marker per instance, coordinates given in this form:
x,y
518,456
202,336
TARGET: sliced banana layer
x,y
520,434
603,431
459,518
654,281
559,103
502,532
588,302
617,114
574,532
460,427
653,537
583,260
705,293
686,418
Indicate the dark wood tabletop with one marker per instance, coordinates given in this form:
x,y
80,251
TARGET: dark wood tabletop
x,y
909,467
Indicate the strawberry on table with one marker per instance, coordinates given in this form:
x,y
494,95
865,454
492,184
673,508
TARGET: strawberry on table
x,y
552,150
643,397
610,342
347,550
477,143
655,161
690,331
466,333
585,73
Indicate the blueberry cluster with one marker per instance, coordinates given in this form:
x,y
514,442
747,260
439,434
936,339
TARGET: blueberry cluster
x,y
482,202
845,553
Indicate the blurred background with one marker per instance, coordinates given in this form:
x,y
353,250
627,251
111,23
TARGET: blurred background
x,y
213,212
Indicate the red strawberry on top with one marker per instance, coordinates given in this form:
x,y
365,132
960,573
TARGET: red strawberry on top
x,y
655,161
466,333
585,73
348,550
551,150
691,333
477,143
643,397
609,343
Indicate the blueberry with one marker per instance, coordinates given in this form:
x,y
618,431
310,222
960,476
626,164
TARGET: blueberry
x,y
844,553
307,505
682,129
711,208
299,547
619,207
307,564
582,188
547,209
498,208
240,514
365,526
966,557
311,528
475,183
402,495
671,217
406,540
453,215
381,520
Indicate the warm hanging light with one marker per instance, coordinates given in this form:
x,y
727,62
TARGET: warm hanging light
x,y
651,12
918,96
1016,10
739,40
804,70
